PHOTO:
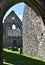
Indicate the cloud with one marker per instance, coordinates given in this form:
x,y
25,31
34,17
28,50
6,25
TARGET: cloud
x,y
21,16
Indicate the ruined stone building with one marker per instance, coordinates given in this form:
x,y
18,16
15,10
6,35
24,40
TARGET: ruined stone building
x,y
29,33
12,31
33,33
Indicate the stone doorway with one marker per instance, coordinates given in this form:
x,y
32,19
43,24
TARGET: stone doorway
x,y
14,43
14,46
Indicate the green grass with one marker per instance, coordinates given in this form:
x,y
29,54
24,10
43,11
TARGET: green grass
x,y
13,57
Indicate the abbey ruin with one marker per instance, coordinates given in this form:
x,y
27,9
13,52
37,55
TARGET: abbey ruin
x,y
31,30
12,37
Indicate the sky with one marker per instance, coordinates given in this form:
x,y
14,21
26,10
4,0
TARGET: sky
x,y
18,9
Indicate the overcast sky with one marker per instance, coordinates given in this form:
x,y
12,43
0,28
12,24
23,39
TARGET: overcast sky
x,y
18,9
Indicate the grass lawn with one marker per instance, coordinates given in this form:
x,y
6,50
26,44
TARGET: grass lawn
x,y
12,57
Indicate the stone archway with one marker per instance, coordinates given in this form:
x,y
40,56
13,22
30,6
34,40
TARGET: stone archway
x,y
36,5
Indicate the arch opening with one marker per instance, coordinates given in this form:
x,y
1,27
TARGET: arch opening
x,y
1,16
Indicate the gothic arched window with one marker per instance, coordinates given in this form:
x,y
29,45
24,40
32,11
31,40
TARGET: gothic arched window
x,y
13,26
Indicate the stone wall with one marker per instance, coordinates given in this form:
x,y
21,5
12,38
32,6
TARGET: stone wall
x,y
9,34
33,33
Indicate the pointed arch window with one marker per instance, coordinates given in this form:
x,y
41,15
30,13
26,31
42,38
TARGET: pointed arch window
x,y
13,26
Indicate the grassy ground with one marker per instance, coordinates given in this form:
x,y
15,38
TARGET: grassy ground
x,y
12,57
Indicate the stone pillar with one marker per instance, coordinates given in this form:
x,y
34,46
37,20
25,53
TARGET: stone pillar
x,y
33,33
30,41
